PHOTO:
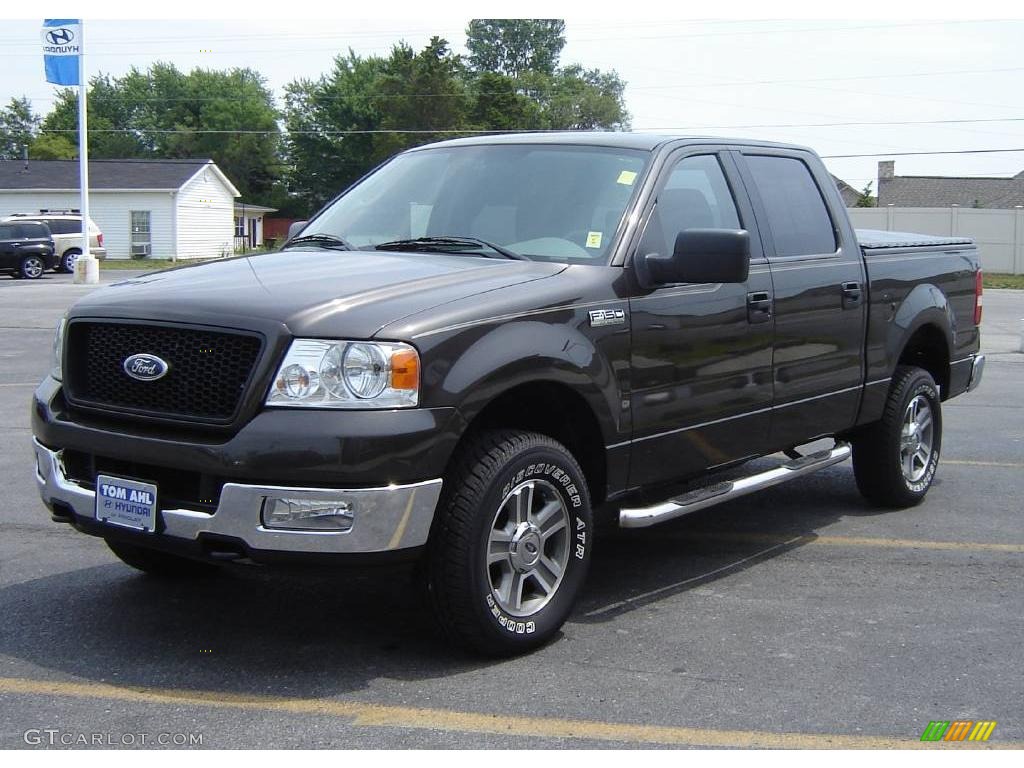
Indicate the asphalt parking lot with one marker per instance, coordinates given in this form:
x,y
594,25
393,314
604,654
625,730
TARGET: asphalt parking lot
x,y
799,617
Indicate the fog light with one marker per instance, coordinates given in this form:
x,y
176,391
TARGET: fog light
x,y
307,515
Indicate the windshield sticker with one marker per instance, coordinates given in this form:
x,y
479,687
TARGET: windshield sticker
x,y
627,178
593,240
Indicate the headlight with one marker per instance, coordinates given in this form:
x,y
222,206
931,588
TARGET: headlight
x,y
57,369
347,374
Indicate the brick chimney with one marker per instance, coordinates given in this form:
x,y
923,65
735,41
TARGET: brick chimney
x,y
886,169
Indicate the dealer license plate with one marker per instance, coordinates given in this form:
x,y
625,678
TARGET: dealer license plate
x,y
126,502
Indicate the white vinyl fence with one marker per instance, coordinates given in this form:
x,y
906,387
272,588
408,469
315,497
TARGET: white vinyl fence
x,y
999,233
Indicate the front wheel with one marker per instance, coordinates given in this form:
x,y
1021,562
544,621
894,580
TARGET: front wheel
x,y
511,543
894,460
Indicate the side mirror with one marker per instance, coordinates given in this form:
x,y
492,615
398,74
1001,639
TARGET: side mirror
x,y
700,256
295,228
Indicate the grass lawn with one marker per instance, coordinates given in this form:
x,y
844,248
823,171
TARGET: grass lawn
x,y
1003,281
150,265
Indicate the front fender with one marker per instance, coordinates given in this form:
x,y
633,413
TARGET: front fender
x,y
526,351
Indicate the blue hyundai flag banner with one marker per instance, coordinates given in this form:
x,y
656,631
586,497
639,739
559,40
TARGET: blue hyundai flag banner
x,y
61,49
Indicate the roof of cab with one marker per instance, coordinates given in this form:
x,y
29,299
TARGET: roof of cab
x,y
617,139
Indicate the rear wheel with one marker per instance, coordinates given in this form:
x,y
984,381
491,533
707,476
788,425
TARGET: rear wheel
x,y
162,564
67,261
511,543
32,267
894,460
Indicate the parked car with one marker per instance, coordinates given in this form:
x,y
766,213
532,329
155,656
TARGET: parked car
x,y
490,346
66,228
26,249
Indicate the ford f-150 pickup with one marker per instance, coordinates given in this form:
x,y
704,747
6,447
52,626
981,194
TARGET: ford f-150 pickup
x,y
488,346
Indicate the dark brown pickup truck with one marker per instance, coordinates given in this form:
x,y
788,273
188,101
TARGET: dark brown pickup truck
x,y
489,346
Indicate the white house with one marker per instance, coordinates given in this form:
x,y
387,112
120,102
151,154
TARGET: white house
x,y
155,208
249,225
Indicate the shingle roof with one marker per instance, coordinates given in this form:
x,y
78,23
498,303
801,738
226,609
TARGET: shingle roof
x,y
849,194
946,191
103,174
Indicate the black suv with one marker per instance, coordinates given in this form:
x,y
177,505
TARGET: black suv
x,y
26,249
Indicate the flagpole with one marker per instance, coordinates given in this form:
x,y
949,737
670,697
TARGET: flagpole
x,y
89,271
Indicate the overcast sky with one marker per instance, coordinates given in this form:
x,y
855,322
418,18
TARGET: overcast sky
x,y
765,79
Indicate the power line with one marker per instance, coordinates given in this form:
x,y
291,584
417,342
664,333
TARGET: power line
x,y
674,129
941,152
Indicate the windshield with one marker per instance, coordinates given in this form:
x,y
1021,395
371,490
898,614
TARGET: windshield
x,y
548,203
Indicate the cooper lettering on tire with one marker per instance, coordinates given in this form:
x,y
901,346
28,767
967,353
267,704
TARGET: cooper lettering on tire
x,y
511,542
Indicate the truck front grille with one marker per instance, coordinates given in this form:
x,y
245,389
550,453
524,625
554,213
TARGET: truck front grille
x,y
208,370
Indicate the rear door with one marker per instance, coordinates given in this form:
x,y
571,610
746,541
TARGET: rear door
x,y
701,353
820,294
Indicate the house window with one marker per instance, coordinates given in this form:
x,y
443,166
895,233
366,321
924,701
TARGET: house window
x,y
239,226
141,234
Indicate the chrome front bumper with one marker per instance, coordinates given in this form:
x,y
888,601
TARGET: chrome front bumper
x,y
385,519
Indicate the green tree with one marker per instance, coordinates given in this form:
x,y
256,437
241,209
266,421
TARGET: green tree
x,y
18,126
866,199
226,115
52,146
519,84
328,122
514,47
418,94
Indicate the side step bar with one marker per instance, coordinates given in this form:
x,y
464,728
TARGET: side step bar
x,y
720,492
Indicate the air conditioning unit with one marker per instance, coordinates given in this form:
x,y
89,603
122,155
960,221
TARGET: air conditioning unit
x,y
140,250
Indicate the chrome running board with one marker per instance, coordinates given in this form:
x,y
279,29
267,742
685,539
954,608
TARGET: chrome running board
x,y
716,494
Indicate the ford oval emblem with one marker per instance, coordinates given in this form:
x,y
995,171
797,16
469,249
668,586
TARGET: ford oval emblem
x,y
145,367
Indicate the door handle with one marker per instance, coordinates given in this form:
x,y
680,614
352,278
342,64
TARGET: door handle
x,y
759,307
852,295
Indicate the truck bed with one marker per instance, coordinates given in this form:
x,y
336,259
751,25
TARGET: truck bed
x,y
878,238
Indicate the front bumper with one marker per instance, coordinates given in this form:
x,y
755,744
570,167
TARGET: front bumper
x,y
386,519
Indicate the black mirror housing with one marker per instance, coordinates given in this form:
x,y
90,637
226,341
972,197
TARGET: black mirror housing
x,y
699,256
295,228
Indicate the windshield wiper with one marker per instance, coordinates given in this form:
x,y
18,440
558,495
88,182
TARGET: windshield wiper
x,y
328,241
445,244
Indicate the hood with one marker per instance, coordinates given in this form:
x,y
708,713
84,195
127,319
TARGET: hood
x,y
315,292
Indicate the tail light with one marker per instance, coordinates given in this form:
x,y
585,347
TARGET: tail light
x,y
977,297
99,239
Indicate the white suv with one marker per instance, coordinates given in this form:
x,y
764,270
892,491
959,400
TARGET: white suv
x,y
66,226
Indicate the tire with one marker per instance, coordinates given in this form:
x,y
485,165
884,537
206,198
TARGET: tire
x,y
894,462
161,564
511,543
32,267
66,263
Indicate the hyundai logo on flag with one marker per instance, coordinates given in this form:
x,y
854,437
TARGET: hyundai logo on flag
x,y
62,36
62,48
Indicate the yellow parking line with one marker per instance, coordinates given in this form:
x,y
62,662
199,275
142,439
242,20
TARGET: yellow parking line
x,y
378,715
860,541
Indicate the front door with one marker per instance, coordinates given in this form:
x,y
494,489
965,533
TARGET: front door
x,y
701,354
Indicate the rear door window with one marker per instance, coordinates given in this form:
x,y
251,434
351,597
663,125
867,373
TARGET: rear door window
x,y
797,215
65,226
6,232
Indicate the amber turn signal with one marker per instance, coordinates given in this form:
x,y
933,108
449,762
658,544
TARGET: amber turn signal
x,y
405,369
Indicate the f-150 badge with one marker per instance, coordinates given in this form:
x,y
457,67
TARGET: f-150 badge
x,y
599,317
